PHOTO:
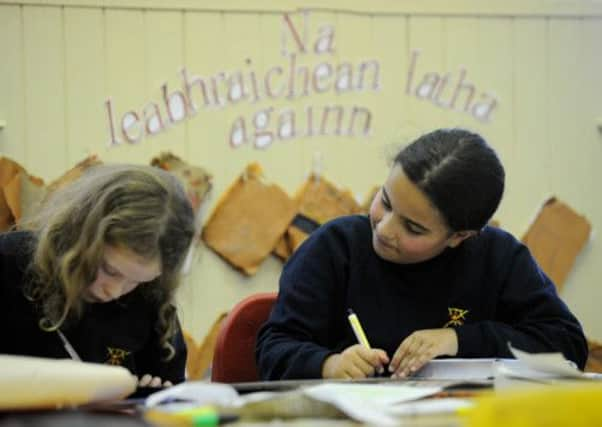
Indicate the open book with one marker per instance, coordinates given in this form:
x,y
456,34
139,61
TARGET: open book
x,y
459,369
539,367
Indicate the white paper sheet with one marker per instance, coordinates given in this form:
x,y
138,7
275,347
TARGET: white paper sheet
x,y
368,403
193,394
553,364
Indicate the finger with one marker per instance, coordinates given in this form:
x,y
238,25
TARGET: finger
x,y
367,360
355,372
415,361
379,360
145,380
382,359
421,361
423,354
382,356
400,353
348,366
374,356
156,382
167,384
356,360
397,357
413,350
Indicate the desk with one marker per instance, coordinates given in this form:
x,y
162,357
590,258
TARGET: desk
x,y
119,415
461,387
571,403
422,421
79,418
70,418
87,420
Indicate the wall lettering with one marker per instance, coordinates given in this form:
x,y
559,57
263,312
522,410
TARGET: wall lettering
x,y
448,91
298,77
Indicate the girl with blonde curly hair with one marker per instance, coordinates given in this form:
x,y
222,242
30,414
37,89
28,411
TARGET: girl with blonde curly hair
x,y
98,267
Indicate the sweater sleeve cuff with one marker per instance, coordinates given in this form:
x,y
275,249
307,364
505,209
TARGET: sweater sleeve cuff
x,y
315,362
469,340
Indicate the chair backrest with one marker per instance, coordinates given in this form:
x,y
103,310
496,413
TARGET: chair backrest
x,y
234,357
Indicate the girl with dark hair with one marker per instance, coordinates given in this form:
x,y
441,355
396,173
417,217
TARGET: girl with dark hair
x,y
424,273
96,272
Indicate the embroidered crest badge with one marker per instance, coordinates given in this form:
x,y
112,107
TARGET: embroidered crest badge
x,y
456,317
116,356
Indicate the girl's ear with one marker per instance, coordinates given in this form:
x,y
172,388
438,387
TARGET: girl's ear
x,y
459,236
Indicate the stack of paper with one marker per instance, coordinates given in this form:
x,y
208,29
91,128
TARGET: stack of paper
x,y
462,369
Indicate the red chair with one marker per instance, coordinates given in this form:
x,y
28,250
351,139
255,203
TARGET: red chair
x,y
234,356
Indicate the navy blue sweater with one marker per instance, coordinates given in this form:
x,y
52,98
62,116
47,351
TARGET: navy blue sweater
x,y
120,332
489,289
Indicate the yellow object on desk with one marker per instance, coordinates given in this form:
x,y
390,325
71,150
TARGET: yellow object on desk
x,y
575,404
203,416
360,335
38,383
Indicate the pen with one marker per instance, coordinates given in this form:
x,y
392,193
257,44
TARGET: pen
x,y
68,346
357,328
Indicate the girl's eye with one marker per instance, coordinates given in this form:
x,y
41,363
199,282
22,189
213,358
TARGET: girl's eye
x,y
108,270
413,230
386,203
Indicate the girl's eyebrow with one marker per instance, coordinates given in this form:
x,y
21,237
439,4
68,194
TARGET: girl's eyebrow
x,y
116,272
404,218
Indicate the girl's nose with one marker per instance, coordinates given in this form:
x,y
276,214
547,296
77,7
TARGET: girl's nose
x,y
114,289
383,225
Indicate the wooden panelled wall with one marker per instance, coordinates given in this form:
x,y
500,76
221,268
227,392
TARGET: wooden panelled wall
x,y
60,62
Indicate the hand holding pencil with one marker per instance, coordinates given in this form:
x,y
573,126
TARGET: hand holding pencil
x,y
356,361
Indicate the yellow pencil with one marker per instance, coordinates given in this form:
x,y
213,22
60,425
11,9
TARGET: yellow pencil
x,y
357,329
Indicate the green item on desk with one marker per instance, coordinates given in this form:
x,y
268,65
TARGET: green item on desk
x,y
198,411
205,420
212,419
205,416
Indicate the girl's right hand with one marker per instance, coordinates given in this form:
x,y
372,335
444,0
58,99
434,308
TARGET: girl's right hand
x,y
150,381
356,361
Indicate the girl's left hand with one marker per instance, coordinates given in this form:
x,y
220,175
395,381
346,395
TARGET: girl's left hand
x,y
150,381
420,347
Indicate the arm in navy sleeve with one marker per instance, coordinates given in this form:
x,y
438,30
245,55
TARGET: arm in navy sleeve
x,y
295,341
530,316
150,360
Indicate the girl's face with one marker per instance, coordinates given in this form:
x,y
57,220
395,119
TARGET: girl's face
x,y
406,227
120,272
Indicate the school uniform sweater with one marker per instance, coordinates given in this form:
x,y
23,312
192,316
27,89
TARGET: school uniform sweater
x,y
489,289
120,332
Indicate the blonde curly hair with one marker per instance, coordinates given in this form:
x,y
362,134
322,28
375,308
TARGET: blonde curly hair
x,y
141,208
